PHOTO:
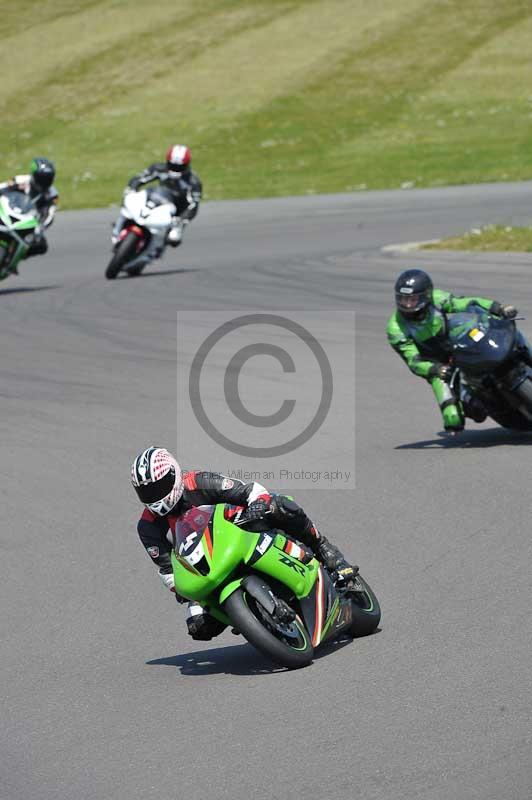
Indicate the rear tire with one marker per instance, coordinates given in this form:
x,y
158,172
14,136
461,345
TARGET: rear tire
x,y
268,636
123,253
366,610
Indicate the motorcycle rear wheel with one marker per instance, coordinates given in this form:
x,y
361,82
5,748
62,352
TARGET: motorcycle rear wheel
x,y
289,644
124,252
366,611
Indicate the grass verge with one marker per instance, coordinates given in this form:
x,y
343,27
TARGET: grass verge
x,y
496,238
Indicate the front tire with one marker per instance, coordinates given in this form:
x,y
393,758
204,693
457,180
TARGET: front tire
x,y
513,419
124,252
524,393
289,645
366,611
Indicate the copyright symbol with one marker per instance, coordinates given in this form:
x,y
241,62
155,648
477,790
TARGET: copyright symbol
x,y
231,390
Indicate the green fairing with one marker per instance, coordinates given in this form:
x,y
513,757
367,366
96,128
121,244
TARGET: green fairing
x,y
4,216
410,338
300,578
14,229
231,548
25,225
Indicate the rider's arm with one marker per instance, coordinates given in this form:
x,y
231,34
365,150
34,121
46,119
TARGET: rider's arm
x,y
405,346
47,213
211,487
146,176
12,183
152,532
193,197
454,305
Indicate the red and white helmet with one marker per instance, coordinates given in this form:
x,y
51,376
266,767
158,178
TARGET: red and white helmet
x,y
178,158
157,479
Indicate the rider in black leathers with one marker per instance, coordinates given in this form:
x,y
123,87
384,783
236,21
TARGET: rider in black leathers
x,y
39,186
184,186
156,467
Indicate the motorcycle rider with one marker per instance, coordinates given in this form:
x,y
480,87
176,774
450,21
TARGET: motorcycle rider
x,y
417,330
167,493
39,186
184,185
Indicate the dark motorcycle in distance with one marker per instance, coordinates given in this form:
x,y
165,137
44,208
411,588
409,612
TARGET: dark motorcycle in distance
x,y
493,365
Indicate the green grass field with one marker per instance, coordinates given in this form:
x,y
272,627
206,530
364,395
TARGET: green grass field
x,y
494,238
274,97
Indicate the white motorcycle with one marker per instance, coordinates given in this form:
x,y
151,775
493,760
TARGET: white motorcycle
x,y
148,217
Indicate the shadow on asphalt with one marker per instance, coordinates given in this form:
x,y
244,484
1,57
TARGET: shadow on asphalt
x,y
491,437
182,271
23,289
237,659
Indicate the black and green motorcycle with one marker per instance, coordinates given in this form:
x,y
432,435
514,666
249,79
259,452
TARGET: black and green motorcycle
x,y
17,220
267,586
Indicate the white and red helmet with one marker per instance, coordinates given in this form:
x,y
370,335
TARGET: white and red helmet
x,y
157,479
178,158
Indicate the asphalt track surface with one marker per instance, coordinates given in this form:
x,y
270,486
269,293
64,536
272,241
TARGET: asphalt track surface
x,y
105,696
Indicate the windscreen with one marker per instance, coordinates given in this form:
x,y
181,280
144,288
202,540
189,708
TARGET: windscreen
x,y
193,521
158,196
478,339
19,202
468,325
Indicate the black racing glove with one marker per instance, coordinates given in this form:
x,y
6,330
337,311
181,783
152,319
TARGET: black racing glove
x,y
507,312
442,371
134,184
257,509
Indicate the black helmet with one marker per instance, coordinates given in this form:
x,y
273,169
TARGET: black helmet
x,y
42,174
413,293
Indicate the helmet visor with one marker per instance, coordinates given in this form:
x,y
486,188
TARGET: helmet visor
x,y
155,491
412,303
43,179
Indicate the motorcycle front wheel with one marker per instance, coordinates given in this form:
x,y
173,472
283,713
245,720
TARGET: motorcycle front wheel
x,y
287,644
124,252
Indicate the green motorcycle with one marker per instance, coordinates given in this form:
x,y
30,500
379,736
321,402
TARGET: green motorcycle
x,y
17,220
267,586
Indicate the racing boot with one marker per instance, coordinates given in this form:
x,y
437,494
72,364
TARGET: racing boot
x,y
333,559
453,418
201,625
175,234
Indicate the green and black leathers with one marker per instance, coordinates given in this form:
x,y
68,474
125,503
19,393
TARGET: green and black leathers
x,y
419,343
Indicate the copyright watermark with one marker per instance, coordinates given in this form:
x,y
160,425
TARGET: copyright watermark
x,y
268,396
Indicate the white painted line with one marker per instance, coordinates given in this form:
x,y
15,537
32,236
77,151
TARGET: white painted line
x,y
407,247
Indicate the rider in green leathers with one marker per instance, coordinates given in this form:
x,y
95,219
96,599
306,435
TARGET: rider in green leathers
x,y
416,330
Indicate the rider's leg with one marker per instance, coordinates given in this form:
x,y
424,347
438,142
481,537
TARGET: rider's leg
x,y
119,224
37,247
450,406
201,625
292,519
175,234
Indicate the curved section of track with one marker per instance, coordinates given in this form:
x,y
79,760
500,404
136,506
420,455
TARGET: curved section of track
x,y
105,695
